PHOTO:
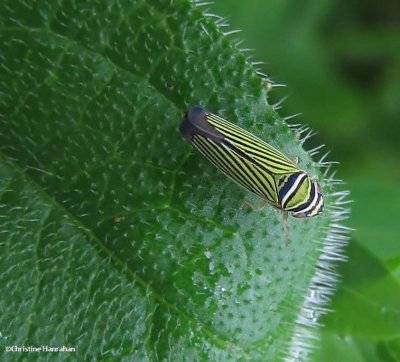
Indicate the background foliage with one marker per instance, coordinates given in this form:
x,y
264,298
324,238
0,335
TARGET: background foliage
x,y
341,62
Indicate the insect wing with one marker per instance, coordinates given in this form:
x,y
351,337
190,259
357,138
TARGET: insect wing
x,y
240,169
241,156
275,162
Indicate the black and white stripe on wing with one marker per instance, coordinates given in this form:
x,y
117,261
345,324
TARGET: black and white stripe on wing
x,y
234,165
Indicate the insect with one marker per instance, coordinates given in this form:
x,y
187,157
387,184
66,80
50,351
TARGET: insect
x,y
253,164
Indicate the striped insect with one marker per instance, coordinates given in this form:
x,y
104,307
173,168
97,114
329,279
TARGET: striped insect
x,y
253,164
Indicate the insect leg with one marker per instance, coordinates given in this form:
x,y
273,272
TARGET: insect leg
x,y
285,226
256,208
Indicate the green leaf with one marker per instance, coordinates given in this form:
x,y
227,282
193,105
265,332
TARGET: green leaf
x,y
116,239
336,347
367,318
374,215
390,350
368,289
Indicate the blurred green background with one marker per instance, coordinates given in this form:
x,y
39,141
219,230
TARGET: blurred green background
x,y
340,61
